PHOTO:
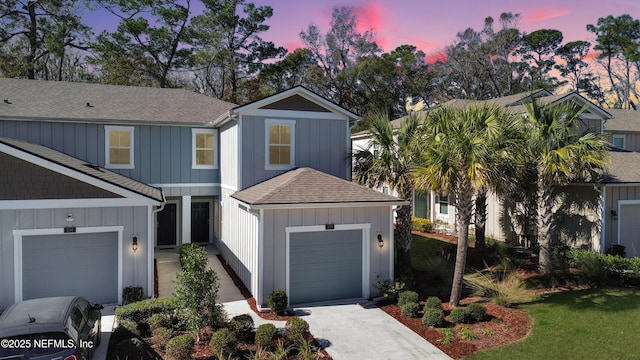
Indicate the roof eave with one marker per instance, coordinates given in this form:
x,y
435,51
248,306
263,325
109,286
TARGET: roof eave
x,y
325,204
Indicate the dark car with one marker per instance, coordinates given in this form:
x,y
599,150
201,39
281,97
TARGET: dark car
x,y
61,328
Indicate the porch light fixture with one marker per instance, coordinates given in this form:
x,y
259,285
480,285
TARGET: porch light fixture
x,y
380,241
614,214
134,244
69,228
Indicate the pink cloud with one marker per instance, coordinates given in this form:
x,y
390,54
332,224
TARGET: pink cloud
x,y
292,45
370,17
421,44
544,13
435,57
593,54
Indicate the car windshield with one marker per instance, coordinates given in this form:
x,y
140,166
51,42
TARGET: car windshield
x,y
31,345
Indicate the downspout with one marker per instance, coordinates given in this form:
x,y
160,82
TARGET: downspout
x,y
152,238
602,215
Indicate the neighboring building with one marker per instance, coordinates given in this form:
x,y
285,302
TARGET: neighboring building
x,y
161,167
588,215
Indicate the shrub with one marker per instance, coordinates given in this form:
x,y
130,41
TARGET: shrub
x,y
421,224
506,290
141,311
410,309
223,343
185,251
389,288
159,320
433,317
433,302
132,348
131,294
242,327
616,250
448,336
296,329
277,301
458,316
467,334
407,297
590,264
266,335
180,347
476,312
129,326
161,336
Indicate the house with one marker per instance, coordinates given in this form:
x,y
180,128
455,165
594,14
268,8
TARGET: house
x,y
112,174
589,215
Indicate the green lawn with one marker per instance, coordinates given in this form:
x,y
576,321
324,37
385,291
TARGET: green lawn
x,y
422,249
584,325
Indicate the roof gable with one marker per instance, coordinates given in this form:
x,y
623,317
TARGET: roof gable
x,y
80,170
309,186
295,102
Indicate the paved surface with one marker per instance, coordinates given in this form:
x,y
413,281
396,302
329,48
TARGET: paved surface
x,y
106,326
346,329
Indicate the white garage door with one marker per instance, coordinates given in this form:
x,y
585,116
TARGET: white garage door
x,y
71,264
630,228
325,265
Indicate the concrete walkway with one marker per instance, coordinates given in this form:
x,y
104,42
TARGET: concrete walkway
x,y
348,330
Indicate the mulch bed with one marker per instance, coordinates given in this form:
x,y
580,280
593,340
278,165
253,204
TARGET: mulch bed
x,y
512,325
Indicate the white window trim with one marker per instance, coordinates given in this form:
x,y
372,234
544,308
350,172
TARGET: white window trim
x,y
439,204
107,160
291,123
194,132
624,140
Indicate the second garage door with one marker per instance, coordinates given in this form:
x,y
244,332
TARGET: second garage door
x,y
325,265
71,264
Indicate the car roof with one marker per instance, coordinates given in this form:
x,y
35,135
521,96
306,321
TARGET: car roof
x,y
49,314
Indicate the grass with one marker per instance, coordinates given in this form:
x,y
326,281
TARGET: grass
x,y
424,248
589,324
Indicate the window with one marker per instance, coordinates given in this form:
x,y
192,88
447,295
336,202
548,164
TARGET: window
x,y
280,144
443,204
618,141
385,189
204,145
118,147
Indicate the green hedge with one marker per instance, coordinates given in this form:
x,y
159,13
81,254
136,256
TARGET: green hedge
x,y
421,224
613,265
141,311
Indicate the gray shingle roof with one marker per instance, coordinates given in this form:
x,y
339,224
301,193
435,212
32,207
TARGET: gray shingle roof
x,y
624,167
82,166
623,120
310,186
56,100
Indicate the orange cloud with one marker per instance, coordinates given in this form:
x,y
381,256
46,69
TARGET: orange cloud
x,y
593,54
544,13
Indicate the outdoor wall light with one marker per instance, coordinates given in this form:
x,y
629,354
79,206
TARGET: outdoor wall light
x,y
380,241
134,244
614,214
69,228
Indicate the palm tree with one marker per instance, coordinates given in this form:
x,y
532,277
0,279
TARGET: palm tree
x,y
387,160
560,155
455,152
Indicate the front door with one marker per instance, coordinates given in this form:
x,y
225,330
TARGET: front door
x,y
200,222
167,228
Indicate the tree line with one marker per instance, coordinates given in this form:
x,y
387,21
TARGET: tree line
x,y
220,52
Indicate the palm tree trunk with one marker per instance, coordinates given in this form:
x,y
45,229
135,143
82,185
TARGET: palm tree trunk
x,y
481,219
403,238
464,205
545,222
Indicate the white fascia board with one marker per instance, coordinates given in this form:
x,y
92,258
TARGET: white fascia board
x,y
36,160
72,203
294,114
327,205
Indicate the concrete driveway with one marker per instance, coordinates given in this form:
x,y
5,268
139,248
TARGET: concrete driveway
x,y
349,330
107,320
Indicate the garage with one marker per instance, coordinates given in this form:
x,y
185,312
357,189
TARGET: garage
x,y
325,265
71,264
629,228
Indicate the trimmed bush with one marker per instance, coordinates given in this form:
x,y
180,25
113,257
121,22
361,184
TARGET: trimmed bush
x,y
410,309
132,348
266,335
433,317
296,329
616,250
223,343
476,312
185,251
421,224
129,326
180,347
161,336
458,316
141,311
433,302
277,301
242,327
159,320
406,297
131,294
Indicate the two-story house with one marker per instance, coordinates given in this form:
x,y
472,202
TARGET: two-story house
x,y
97,177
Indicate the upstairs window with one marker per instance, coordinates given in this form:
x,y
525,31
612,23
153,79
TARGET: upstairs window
x,y
119,147
204,149
280,144
618,141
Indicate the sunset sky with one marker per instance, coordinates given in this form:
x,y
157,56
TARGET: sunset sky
x,y
428,24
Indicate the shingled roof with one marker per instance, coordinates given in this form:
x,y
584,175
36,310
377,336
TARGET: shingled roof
x,y
83,167
624,168
623,120
310,186
57,100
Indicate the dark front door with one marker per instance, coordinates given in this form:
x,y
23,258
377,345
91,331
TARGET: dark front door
x,y
167,225
200,222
